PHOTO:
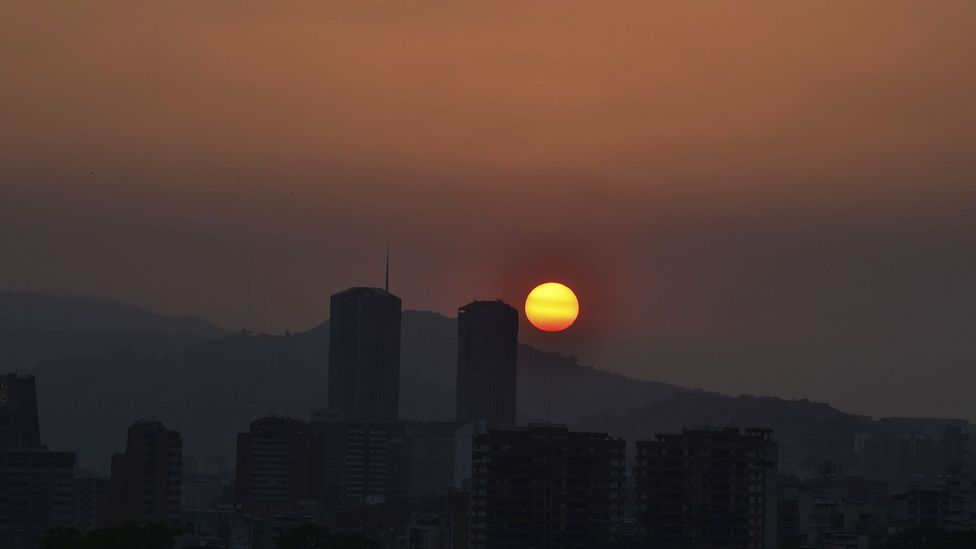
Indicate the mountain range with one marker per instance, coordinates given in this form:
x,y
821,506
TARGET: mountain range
x,y
100,365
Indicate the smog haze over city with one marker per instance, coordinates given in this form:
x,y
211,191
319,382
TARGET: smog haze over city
x,y
233,226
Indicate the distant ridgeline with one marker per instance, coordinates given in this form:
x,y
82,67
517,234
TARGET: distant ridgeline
x,y
94,377
32,311
36,327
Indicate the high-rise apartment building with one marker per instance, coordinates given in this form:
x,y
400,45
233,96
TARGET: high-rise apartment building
x,y
545,487
18,413
707,488
146,479
364,354
36,494
274,461
487,358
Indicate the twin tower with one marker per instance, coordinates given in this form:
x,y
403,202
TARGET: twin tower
x,y
364,358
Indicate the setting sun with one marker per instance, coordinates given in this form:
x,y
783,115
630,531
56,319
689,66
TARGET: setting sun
x,y
551,307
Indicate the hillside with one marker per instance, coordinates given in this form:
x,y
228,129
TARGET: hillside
x,y
211,390
795,422
54,313
92,384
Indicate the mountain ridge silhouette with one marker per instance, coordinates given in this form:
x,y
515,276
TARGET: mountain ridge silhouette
x,y
210,388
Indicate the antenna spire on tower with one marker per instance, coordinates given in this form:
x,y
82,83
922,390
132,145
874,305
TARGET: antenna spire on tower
x,y
387,280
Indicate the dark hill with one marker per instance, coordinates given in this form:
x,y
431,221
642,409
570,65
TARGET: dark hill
x,y
27,310
95,377
35,327
795,422
211,390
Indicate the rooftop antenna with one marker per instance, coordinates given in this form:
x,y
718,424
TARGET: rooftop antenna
x,y
387,281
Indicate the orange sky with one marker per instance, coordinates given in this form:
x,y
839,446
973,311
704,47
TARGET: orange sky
x,y
693,169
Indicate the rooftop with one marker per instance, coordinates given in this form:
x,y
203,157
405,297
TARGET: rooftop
x,y
360,292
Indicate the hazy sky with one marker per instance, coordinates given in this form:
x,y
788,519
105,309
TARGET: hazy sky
x,y
761,175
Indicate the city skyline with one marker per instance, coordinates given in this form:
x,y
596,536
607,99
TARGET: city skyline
x,y
487,275
802,473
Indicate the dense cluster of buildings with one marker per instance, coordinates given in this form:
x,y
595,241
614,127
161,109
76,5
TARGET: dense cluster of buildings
x,y
853,490
482,481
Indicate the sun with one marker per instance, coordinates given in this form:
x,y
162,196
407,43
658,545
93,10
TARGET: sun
x,y
552,307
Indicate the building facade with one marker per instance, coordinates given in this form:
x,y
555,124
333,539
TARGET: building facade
x,y
356,462
364,354
19,427
274,460
545,487
429,456
93,503
487,372
37,493
707,488
146,479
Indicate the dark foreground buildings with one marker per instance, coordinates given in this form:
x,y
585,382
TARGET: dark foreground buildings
x,y
36,494
545,487
356,462
707,488
487,371
274,463
364,354
288,466
146,478
37,489
18,412
481,482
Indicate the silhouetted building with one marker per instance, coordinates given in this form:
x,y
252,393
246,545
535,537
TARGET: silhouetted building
x,y
955,453
897,458
364,354
93,503
832,509
146,479
18,413
545,487
944,501
459,513
790,524
369,463
274,462
428,531
228,528
707,488
200,492
357,462
487,373
429,456
214,466
36,494
464,439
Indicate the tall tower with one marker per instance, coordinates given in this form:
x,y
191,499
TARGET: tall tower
x,y
146,479
37,485
18,413
364,354
487,373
